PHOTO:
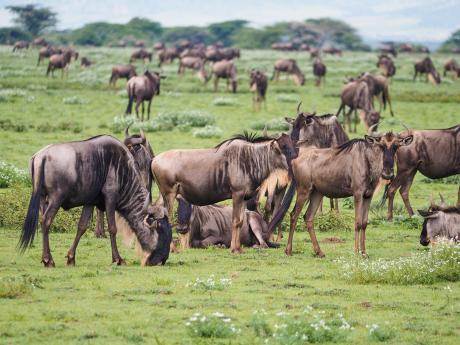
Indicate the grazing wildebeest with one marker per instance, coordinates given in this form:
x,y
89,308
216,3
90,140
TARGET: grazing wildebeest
x,y
141,54
59,61
159,46
441,222
194,52
20,45
356,95
389,50
333,51
319,71
227,70
139,44
378,87
143,88
258,83
230,53
212,225
46,52
288,66
122,71
426,66
142,152
39,41
167,55
451,65
406,48
434,153
286,46
233,169
72,51
352,169
98,172
85,62
314,53
194,63
386,66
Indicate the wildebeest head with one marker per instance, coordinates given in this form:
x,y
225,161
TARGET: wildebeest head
x,y
285,146
372,119
184,213
389,144
155,79
142,152
156,220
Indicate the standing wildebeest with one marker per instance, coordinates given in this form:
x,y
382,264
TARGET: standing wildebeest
x,y
139,44
441,222
426,66
39,41
406,48
389,50
46,52
319,71
159,46
98,172
141,54
283,46
451,65
59,61
167,55
226,70
194,52
234,169
142,152
143,88
212,225
333,51
72,51
356,95
386,66
314,53
194,63
352,169
378,87
230,53
258,83
434,153
20,45
288,66
122,71
85,62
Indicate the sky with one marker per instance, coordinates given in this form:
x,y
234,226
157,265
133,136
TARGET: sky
x,y
403,20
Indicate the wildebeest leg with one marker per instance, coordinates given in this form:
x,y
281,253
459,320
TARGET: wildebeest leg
x,y
110,213
138,103
257,229
99,232
316,199
142,111
302,196
216,83
415,75
48,216
348,117
404,191
355,119
278,199
364,218
358,220
458,197
148,109
237,221
82,226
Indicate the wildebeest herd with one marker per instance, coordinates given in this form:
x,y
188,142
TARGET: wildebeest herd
x,y
315,158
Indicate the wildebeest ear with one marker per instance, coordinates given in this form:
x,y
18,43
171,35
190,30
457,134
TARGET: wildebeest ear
x,y
371,139
289,120
427,214
308,120
407,140
275,146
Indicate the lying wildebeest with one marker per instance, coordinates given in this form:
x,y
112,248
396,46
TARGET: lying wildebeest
x,y
98,172
59,61
319,71
194,63
386,66
352,169
451,65
143,88
142,152
85,62
356,95
426,66
378,87
167,55
434,153
227,70
212,225
333,51
140,54
20,45
39,41
441,222
389,50
46,52
122,71
258,83
233,169
288,66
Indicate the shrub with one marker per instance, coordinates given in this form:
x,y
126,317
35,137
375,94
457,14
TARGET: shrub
x,y
74,127
10,175
13,287
332,221
9,95
437,264
208,132
121,122
209,284
377,333
225,101
74,100
44,127
273,125
216,325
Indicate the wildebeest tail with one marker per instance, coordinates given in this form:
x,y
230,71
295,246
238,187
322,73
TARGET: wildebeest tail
x,y
278,217
385,195
30,223
129,109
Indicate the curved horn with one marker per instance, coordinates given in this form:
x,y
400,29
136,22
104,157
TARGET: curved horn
x,y
265,134
145,208
431,200
142,135
126,132
298,107
370,131
443,202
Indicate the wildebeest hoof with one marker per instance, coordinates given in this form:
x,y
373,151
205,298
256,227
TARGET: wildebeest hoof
x,y
320,254
119,262
48,263
273,245
237,251
365,256
70,260
288,252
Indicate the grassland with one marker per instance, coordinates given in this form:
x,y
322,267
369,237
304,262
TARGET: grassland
x,y
99,303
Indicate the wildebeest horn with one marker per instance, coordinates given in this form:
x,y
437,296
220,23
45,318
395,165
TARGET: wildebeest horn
x,y
146,203
370,131
443,202
265,134
127,132
298,107
431,200
142,134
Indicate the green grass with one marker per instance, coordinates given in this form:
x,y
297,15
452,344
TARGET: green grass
x,y
98,303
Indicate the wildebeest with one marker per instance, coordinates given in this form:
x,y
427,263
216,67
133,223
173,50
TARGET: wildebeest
x,y
122,71
426,66
141,54
434,153
283,46
194,63
46,52
389,50
378,87
352,169
441,222
194,52
319,71
143,88
72,51
98,172
212,225
167,55
258,83
230,53
386,66
332,51
288,66
19,45
143,154
159,46
227,70
315,52
451,65
356,95
406,48
59,61
233,169
39,41
139,44
85,62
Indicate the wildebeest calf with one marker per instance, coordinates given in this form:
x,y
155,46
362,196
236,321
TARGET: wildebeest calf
x,y
258,82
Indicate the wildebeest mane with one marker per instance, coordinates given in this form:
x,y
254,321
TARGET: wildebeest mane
x,y
347,146
246,136
446,209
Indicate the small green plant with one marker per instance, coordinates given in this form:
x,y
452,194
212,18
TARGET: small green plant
x,y
14,287
9,95
208,132
10,175
216,325
225,101
273,125
287,98
332,221
260,325
121,122
380,334
209,284
74,100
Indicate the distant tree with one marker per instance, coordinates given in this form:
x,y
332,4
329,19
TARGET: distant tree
x,y
194,34
152,29
33,19
223,31
453,42
11,35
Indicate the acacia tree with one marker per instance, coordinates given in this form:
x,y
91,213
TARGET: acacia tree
x,y
33,19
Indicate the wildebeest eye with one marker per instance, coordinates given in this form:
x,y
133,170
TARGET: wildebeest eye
x,y
150,220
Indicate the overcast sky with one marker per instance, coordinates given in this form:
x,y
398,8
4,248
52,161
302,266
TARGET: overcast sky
x,y
413,20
